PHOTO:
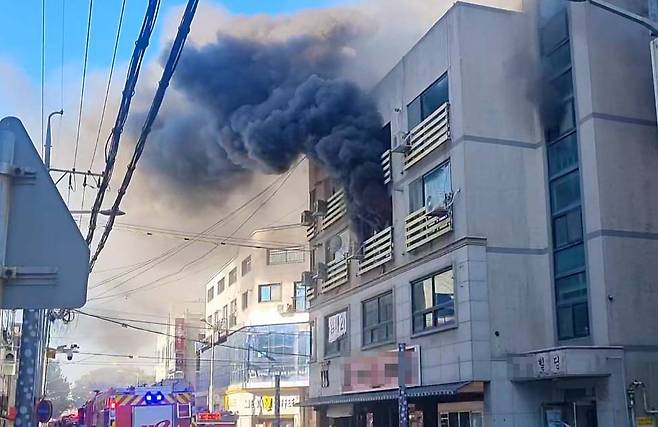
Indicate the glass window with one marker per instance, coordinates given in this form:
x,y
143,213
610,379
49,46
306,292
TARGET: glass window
x,y
558,61
233,318
569,260
220,286
563,155
571,289
232,276
211,293
300,297
385,136
554,33
337,347
284,256
432,186
245,300
568,228
270,292
565,192
338,247
433,301
378,319
246,265
428,102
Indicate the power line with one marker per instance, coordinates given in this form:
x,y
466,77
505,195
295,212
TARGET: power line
x,y
139,328
107,93
170,67
82,93
43,66
111,149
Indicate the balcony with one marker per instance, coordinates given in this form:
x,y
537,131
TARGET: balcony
x,y
428,135
377,250
335,209
386,166
312,230
337,275
421,228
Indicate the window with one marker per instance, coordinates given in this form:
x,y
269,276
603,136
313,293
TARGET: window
x,y
211,294
300,297
339,346
233,276
225,315
217,318
433,301
385,136
246,266
221,285
245,300
233,317
427,102
338,247
270,292
378,319
432,186
284,256
460,419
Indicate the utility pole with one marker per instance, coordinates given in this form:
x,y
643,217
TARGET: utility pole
x,y
402,386
211,387
277,399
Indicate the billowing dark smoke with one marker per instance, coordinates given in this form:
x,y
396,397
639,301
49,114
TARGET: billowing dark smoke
x,y
261,105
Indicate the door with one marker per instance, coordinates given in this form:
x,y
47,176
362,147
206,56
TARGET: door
x,y
571,414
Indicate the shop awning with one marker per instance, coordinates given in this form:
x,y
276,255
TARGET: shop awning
x,y
450,389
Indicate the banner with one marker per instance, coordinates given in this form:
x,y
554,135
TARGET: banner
x,y
337,325
179,345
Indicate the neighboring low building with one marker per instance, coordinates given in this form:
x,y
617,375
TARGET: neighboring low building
x,y
256,305
176,350
519,265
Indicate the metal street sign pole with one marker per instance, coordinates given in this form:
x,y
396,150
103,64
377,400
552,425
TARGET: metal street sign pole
x,y
277,399
403,403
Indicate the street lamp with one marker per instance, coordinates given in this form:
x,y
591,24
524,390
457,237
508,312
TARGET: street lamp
x,y
104,212
211,394
48,144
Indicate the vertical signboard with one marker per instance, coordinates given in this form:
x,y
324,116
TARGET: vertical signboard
x,y
179,345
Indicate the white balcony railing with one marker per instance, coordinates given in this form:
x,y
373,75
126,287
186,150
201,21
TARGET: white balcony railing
x,y
421,228
386,166
337,274
312,230
335,209
377,250
428,135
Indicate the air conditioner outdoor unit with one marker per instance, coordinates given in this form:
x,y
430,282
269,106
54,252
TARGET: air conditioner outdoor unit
x,y
401,142
307,218
307,278
356,251
438,208
281,308
320,208
322,272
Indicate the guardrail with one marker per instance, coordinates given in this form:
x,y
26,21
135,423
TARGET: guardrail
x,y
421,228
386,166
428,135
337,274
335,209
377,250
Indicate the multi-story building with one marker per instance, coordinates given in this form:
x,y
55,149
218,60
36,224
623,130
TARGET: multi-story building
x,y
518,266
256,305
175,348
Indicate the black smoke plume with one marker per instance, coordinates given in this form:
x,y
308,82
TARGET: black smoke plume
x,y
260,105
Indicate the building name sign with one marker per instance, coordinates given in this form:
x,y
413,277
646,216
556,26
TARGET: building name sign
x,y
550,364
337,325
252,404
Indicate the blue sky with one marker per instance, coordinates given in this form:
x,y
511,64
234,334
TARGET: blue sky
x,y
20,29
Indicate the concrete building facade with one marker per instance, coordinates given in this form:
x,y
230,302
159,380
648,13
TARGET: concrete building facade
x,y
256,305
517,267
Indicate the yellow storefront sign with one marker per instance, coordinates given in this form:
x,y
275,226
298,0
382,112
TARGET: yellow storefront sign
x,y
645,422
268,402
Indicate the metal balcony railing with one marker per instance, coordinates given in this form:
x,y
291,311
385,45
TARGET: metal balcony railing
x,y
335,209
377,250
386,166
428,135
312,230
421,228
338,274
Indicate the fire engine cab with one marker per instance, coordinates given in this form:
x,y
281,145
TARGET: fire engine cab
x,y
154,406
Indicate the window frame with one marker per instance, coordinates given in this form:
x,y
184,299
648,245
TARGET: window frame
x,y
295,286
421,180
424,115
270,285
221,285
233,313
286,259
246,263
368,329
342,343
454,323
245,300
210,293
233,276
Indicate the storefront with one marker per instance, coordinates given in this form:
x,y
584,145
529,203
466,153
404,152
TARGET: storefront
x,y
256,408
442,405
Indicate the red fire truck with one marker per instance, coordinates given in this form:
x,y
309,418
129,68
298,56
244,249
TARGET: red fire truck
x,y
155,406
